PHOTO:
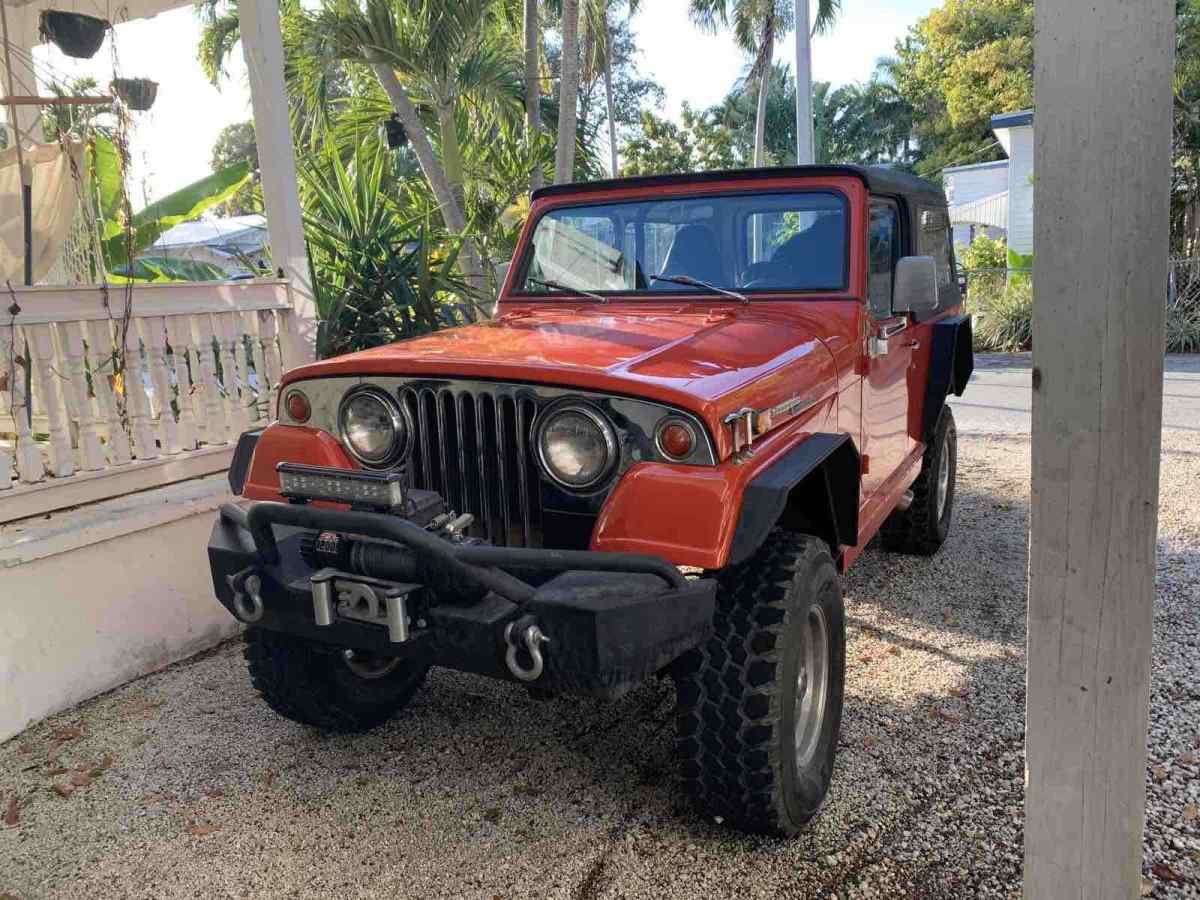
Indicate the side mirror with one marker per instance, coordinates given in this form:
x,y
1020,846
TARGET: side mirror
x,y
914,288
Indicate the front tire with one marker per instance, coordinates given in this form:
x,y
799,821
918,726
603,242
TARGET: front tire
x,y
921,529
325,687
760,703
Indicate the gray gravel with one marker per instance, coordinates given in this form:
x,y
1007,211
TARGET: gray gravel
x,y
479,791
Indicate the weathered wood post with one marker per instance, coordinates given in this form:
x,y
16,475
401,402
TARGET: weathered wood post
x,y
1102,162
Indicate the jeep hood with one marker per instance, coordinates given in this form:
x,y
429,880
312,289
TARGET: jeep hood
x,y
710,360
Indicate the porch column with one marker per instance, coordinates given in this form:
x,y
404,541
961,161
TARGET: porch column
x,y
1102,156
262,45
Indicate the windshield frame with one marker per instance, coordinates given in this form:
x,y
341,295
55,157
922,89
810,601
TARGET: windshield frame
x,y
519,271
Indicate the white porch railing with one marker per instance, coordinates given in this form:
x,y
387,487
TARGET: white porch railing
x,y
108,391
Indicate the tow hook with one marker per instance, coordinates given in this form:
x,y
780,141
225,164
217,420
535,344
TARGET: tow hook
x,y
524,633
247,594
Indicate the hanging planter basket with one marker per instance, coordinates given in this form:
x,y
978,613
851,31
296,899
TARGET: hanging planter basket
x,y
73,33
136,93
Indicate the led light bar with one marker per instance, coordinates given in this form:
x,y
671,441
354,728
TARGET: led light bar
x,y
378,490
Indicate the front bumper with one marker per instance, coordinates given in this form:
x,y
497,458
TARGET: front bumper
x,y
609,620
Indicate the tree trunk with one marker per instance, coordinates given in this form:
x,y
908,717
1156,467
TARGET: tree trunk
x,y
760,116
452,212
452,162
533,88
568,94
608,101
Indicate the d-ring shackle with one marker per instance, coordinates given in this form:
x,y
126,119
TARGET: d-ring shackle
x,y
532,638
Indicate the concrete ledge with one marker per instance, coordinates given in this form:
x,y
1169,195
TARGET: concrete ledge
x,y
96,596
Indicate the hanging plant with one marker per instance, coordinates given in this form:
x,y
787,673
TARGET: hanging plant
x,y
136,93
73,33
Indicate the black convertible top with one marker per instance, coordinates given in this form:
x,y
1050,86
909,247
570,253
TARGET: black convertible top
x,y
878,179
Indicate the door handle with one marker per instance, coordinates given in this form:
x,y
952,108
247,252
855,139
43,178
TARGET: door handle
x,y
887,331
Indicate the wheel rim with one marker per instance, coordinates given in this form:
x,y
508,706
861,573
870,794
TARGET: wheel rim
x,y
943,479
364,665
812,686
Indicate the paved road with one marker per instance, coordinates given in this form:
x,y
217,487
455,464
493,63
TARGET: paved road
x,y
999,396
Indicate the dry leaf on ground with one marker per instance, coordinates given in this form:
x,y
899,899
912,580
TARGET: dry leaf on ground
x,y
200,830
81,779
63,790
1165,872
64,733
945,715
12,813
1160,772
1190,812
1147,887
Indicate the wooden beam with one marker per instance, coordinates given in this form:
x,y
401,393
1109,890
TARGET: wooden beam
x,y
27,100
1103,173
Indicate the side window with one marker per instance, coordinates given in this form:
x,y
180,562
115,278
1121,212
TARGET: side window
x,y
883,246
935,240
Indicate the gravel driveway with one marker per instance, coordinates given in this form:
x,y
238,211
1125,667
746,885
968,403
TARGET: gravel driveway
x,y
187,786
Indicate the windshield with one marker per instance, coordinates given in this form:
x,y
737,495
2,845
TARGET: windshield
x,y
744,242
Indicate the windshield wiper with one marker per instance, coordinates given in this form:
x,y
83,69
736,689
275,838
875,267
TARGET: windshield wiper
x,y
696,282
554,285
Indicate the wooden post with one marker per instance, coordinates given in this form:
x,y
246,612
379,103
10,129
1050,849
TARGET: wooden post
x,y
262,45
1103,170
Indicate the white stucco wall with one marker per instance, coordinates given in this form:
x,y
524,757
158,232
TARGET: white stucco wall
x,y
93,597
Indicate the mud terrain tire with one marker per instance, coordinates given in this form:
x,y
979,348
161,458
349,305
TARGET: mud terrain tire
x,y
921,529
312,683
740,695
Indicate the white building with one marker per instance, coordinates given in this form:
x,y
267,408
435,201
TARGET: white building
x,y
996,198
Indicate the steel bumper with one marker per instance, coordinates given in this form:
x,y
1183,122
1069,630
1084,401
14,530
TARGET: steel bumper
x,y
570,621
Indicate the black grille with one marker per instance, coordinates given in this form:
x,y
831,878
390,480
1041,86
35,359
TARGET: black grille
x,y
473,448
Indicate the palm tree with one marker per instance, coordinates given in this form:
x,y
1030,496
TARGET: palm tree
x,y
568,93
532,28
427,55
757,24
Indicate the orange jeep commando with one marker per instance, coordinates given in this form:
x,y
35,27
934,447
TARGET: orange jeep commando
x,y
700,398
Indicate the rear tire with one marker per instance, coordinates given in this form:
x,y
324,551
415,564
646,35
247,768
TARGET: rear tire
x,y
760,703
317,684
921,529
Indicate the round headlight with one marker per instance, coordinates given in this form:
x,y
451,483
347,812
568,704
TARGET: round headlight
x,y
373,427
577,446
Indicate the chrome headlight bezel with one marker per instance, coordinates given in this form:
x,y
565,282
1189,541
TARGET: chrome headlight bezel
x,y
402,427
607,432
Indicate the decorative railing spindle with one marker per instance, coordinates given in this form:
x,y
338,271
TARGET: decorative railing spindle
x,y
79,401
137,403
154,337
100,355
40,340
179,336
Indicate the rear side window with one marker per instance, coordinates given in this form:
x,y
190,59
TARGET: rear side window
x,y
883,247
934,240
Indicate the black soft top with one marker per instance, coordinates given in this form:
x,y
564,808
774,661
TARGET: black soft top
x,y
878,179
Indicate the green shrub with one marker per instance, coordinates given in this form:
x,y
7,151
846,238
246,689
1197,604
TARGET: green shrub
x,y
1004,319
1183,328
982,253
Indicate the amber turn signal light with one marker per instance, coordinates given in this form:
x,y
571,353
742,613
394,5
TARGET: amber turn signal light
x,y
676,439
298,407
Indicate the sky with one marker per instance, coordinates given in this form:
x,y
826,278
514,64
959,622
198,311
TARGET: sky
x,y
172,143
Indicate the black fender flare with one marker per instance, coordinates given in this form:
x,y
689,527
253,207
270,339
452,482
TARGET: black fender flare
x,y
951,362
813,487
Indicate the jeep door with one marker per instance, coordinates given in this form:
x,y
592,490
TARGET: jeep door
x,y
885,405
